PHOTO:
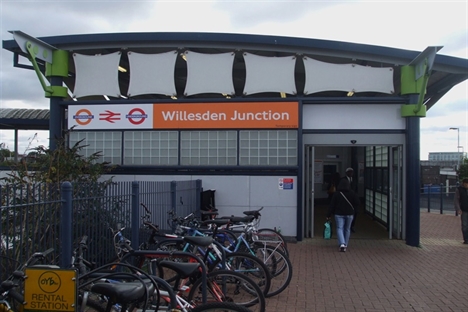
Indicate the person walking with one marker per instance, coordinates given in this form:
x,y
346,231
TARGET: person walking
x,y
343,204
349,176
331,188
461,205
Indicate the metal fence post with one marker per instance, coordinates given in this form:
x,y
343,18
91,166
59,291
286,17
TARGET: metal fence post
x,y
456,211
173,201
198,190
429,197
135,215
441,199
66,223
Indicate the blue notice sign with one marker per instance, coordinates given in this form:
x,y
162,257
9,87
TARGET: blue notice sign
x,y
286,183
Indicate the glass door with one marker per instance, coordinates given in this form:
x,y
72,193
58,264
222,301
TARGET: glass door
x,y
396,205
308,212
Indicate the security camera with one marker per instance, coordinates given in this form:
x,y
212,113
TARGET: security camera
x,y
353,141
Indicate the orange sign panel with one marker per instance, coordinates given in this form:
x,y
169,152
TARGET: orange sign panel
x,y
255,115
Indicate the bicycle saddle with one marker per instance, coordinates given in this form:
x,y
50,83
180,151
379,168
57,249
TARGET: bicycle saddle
x,y
124,292
203,241
184,270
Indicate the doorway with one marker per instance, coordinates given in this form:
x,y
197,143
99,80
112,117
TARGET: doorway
x,y
320,162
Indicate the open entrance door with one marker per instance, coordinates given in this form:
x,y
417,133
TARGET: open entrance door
x,y
308,212
396,204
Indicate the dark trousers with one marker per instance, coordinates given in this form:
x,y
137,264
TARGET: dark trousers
x,y
464,225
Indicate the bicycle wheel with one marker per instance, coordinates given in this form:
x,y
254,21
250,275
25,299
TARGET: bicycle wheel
x,y
226,238
273,237
229,286
91,303
164,273
279,265
246,264
221,307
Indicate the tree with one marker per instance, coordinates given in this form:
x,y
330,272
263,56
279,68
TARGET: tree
x,y
43,165
463,171
31,198
5,154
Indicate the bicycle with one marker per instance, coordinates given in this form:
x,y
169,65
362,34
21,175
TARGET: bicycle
x,y
278,264
11,289
191,277
211,253
153,261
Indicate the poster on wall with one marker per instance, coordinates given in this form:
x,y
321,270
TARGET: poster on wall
x,y
318,171
286,183
361,172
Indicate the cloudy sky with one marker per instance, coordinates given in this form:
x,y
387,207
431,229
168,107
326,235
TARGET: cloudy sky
x,y
411,25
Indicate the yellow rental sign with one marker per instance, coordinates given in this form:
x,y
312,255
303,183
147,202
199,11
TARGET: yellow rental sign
x,y
50,289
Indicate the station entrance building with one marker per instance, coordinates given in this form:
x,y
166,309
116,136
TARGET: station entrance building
x,y
263,120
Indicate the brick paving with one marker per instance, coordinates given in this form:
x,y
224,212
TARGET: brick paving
x,y
377,274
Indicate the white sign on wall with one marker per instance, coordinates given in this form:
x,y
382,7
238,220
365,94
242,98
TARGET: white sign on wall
x,y
318,171
131,116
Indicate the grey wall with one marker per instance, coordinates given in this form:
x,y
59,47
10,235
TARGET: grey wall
x,y
235,194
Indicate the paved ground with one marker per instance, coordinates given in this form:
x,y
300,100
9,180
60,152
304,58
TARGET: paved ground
x,y
377,274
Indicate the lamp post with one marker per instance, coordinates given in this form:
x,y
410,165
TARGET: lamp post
x,y
458,145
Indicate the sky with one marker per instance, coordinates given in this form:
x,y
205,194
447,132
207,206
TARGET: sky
x,y
411,25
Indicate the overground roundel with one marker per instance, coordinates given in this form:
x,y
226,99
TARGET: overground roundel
x,y
137,116
83,117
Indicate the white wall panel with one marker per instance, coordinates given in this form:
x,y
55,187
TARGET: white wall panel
x,y
269,74
321,76
356,116
235,194
96,75
152,73
209,73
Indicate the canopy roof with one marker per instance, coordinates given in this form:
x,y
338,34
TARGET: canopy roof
x,y
446,72
24,119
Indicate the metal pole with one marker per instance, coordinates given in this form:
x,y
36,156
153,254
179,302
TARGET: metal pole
x,y
66,225
458,149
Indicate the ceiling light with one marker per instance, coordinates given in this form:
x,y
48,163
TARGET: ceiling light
x,y
122,70
350,93
106,97
283,95
173,97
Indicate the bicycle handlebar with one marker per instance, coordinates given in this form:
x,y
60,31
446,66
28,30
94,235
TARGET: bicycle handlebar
x,y
84,240
146,208
42,254
17,296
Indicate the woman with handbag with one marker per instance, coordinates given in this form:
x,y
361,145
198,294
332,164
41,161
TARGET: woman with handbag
x,y
343,204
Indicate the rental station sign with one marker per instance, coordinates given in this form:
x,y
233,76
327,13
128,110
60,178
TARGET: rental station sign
x,y
254,115
50,289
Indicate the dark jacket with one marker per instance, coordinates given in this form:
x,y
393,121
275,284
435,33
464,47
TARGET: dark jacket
x,y
339,205
461,198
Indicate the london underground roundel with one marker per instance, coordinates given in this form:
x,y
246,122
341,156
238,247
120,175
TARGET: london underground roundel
x,y
136,116
83,117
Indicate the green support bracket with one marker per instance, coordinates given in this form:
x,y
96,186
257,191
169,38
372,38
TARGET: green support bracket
x,y
413,110
414,80
55,91
412,86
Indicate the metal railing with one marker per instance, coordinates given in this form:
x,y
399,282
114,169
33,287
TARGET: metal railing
x,y
438,198
39,217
